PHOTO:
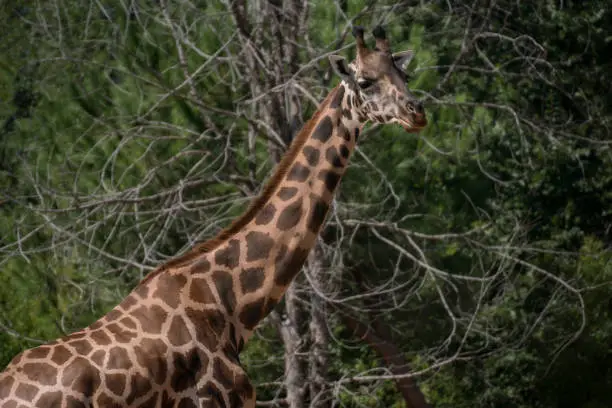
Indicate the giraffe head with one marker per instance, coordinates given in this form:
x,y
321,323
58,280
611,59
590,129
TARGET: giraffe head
x,y
378,79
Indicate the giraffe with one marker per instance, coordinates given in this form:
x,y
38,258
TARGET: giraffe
x,y
175,340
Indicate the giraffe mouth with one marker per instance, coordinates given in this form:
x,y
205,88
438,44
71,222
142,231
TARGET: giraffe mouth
x,y
414,125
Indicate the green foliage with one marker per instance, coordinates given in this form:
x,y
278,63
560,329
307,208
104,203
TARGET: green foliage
x,y
111,161
539,374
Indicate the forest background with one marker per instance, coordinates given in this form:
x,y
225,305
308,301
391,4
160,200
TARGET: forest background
x,y
469,264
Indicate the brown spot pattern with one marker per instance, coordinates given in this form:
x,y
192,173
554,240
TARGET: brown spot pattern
x,y
139,387
60,355
128,323
200,292
243,386
280,255
98,357
26,392
118,358
209,326
6,384
237,341
151,355
229,256
123,335
17,359
81,346
81,376
286,193
265,215
72,402
289,266
332,156
312,155
222,373
50,399
129,302
225,289
169,288
251,279
105,400
211,391
290,216
166,401
39,352
251,314
78,335
201,266
186,369
348,113
319,211
142,290
178,333
344,151
330,178
346,134
96,325
150,318
323,130
298,172
100,337
259,245
116,383
112,315
42,373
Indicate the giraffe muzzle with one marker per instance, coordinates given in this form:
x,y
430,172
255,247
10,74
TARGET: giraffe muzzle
x,y
420,120
414,121
417,119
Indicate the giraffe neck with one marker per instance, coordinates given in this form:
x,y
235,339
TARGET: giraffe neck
x,y
241,274
271,247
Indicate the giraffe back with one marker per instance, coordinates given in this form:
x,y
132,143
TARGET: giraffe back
x,y
169,343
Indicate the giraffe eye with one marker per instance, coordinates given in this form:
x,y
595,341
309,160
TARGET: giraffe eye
x,y
365,82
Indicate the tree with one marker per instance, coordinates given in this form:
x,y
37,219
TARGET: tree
x,y
478,250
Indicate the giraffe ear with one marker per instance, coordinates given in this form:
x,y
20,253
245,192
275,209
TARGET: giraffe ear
x,y
402,59
339,65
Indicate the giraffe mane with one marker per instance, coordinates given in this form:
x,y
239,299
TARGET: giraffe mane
x,y
246,217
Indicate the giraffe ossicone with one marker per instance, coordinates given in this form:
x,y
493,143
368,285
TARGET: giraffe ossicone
x,y
175,339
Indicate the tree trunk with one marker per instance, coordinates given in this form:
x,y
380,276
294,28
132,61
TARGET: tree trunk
x,y
319,350
394,360
290,325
